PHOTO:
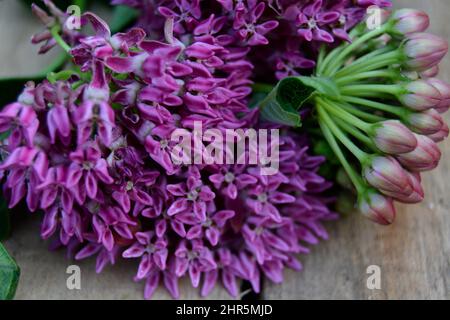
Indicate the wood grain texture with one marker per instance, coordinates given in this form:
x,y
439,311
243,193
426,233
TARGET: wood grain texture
x,y
413,254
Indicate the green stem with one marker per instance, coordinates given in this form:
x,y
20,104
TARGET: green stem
x,y
372,63
368,56
366,75
398,111
361,113
64,75
321,70
344,115
55,33
356,133
339,60
322,53
354,177
371,90
323,64
357,152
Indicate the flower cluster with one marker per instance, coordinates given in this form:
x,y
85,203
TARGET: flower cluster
x,y
92,150
391,104
295,29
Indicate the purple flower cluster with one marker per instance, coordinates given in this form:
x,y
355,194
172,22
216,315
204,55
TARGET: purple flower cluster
x,y
93,151
295,29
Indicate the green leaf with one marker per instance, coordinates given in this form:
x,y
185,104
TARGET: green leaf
x,y
122,17
279,105
9,275
282,105
5,224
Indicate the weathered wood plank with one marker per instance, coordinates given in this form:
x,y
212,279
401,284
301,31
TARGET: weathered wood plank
x,y
413,254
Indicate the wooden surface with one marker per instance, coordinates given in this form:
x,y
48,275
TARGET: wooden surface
x,y
413,254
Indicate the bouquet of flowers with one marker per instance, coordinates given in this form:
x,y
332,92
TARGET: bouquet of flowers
x,y
194,138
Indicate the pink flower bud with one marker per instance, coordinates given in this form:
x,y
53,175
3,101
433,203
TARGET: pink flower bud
x,y
426,123
387,175
441,135
42,15
444,89
393,137
424,158
424,51
417,194
377,207
430,73
421,96
408,21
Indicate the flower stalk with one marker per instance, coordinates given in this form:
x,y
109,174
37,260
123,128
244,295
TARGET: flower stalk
x,y
385,110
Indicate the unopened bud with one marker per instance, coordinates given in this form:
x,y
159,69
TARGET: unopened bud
x,y
408,21
421,95
387,175
377,207
444,89
441,135
417,194
393,137
424,51
430,73
426,123
42,15
424,158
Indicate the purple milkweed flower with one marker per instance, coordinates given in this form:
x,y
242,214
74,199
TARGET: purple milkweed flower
x,y
21,120
189,12
95,155
88,168
109,222
263,198
193,258
231,180
193,196
152,251
95,113
246,24
309,20
136,190
27,168
211,227
228,271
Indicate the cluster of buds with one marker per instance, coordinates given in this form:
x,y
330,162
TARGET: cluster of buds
x,y
388,113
